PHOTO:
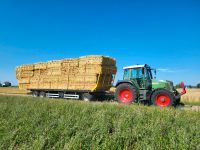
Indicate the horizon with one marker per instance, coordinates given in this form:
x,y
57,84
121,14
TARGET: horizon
x,y
164,34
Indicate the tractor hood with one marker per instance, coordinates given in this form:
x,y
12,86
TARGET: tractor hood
x,y
162,84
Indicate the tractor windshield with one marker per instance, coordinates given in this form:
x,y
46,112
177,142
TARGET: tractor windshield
x,y
133,73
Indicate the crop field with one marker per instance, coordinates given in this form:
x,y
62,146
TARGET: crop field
x,y
35,123
192,97
12,90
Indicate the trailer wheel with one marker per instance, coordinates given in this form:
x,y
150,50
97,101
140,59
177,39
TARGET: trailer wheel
x,y
125,93
163,98
42,94
87,97
61,94
35,93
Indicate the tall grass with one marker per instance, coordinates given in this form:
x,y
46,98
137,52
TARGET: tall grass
x,y
34,123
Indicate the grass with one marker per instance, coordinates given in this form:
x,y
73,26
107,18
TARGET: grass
x,y
34,123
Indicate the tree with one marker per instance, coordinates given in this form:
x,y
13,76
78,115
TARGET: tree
x,y
198,85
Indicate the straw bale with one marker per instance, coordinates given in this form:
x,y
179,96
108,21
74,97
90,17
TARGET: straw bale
x,y
63,85
34,85
24,74
95,69
18,75
63,78
50,79
44,85
75,86
70,62
71,77
54,71
95,59
36,73
43,72
24,81
27,67
34,80
40,65
91,79
69,70
23,86
54,85
54,64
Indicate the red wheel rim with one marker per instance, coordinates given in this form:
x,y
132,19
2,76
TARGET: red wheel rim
x,y
162,100
125,95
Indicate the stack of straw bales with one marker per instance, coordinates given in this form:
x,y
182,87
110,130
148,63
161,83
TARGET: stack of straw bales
x,y
84,73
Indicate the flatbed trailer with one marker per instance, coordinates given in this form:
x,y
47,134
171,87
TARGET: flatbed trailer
x,y
85,95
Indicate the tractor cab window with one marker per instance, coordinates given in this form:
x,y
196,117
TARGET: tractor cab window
x,y
127,74
134,73
137,73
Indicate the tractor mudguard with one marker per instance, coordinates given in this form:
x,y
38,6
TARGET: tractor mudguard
x,y
123,81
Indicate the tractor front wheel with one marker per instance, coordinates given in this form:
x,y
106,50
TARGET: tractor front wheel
x,y
125,93
162,98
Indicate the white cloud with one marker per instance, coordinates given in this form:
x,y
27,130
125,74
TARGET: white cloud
x,y
167,70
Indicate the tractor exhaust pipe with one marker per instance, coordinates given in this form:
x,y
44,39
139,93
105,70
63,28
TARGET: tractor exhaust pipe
x,y
182,84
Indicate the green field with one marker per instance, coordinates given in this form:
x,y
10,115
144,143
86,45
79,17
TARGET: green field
x,y
34,123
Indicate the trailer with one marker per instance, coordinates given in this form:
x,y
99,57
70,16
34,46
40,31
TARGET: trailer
x,y
86,77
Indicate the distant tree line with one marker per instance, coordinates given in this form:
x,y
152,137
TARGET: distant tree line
x,y
189,86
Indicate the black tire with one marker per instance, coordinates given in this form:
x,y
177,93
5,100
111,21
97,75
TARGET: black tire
x,y
163,98
178,101
35,93
61,94
125,93
42,94
87,97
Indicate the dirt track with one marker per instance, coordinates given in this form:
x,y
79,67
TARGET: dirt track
x,y
6,94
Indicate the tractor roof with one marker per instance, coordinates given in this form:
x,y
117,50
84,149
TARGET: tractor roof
x,y
135,66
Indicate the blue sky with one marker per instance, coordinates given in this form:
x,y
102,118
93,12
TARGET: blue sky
x,y
164,34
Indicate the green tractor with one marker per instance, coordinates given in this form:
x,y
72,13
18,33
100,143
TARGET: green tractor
x,y
138,85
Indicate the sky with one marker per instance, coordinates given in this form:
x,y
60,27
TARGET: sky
x,y
162,33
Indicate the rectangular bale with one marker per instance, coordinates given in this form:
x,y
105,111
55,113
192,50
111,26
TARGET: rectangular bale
x,y
40,65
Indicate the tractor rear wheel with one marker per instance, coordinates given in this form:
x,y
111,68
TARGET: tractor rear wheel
x,y
125,93
163,98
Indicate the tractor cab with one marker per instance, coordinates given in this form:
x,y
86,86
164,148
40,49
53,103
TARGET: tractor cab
x,y
141,75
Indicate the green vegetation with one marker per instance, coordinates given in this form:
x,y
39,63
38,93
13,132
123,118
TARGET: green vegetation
x,y
34,123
